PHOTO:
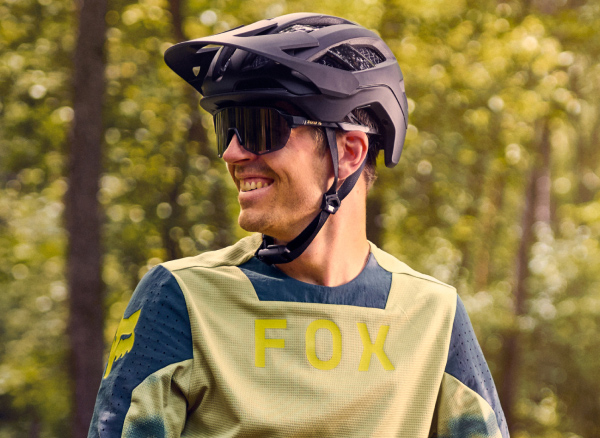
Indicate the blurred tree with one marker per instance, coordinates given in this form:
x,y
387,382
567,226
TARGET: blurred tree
x,y
83,223
536,209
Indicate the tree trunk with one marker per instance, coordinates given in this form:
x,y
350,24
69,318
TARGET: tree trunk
x,y
483,263
35,426
512,353
83,215
537,208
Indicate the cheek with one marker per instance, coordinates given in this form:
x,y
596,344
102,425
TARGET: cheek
x,y
323,173
231,171
309,174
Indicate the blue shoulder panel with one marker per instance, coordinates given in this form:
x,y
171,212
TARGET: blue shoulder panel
x,y
467,364
370,289
154,333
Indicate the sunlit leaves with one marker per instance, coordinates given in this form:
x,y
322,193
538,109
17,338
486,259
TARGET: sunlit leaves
x,y
480,76
31,274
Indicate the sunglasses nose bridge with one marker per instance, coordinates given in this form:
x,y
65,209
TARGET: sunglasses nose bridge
x,y
230,133
237,151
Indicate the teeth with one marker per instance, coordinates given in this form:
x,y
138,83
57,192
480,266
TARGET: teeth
x,y
248,186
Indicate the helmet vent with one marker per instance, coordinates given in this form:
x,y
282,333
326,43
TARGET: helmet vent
x,y
255,61
223,61
302,27
371,54
351,58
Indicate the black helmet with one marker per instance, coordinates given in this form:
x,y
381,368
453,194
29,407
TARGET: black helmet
x,y
325,66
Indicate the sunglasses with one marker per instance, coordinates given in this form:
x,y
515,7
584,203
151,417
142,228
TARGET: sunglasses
x,y
264,130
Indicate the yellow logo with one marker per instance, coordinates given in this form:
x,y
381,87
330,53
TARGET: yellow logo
x,y
124,339
262,342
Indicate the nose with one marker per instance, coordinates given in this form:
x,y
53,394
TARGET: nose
x,y
235,153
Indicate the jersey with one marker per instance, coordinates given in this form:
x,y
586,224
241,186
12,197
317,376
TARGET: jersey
x,y
223,345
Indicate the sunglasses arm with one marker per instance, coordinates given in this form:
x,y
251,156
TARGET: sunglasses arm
x,y
344,126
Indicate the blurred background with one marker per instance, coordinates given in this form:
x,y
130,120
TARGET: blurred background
x,y
108,167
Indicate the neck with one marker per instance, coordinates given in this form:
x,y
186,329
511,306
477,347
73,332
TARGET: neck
x,y
340,251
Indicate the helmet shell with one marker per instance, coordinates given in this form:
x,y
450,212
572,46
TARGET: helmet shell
x,y
277,60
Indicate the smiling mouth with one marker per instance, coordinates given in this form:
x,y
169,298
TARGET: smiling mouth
x,y
247,185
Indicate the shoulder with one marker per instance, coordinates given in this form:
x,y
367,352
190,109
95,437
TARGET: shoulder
x,y
233,255
214,275
414,288
395,266
157,314
153,335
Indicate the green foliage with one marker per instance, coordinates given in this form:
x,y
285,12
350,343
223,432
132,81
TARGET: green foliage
x,y
34,112
33,378
485,81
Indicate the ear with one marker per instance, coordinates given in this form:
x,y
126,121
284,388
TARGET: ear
x,y
352,151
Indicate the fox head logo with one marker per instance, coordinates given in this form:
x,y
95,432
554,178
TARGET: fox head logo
x,y
124,339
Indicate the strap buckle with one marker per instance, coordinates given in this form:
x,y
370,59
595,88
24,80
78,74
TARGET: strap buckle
x,y
273,254
331,203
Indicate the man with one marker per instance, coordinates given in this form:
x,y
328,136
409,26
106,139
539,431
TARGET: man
x,y
305,329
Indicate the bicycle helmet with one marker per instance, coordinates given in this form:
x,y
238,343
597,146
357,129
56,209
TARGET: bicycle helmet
x,y
323,65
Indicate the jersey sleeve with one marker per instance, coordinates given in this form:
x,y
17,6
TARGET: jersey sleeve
x,y
467,403
145,385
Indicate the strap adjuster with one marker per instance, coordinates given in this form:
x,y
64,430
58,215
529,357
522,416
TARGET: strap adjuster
x,y
331,203
274,254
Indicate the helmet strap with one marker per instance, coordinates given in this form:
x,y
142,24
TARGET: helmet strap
x,y
271,254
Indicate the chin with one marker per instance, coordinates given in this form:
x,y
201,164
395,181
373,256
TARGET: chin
x,y
251,223
259,224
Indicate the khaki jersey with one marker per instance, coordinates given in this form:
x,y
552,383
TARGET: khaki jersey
x,y
220,345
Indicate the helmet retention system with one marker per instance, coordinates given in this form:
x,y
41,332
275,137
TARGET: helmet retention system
x,y
324,66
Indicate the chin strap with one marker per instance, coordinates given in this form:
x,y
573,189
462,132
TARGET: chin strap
x,y
276,254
